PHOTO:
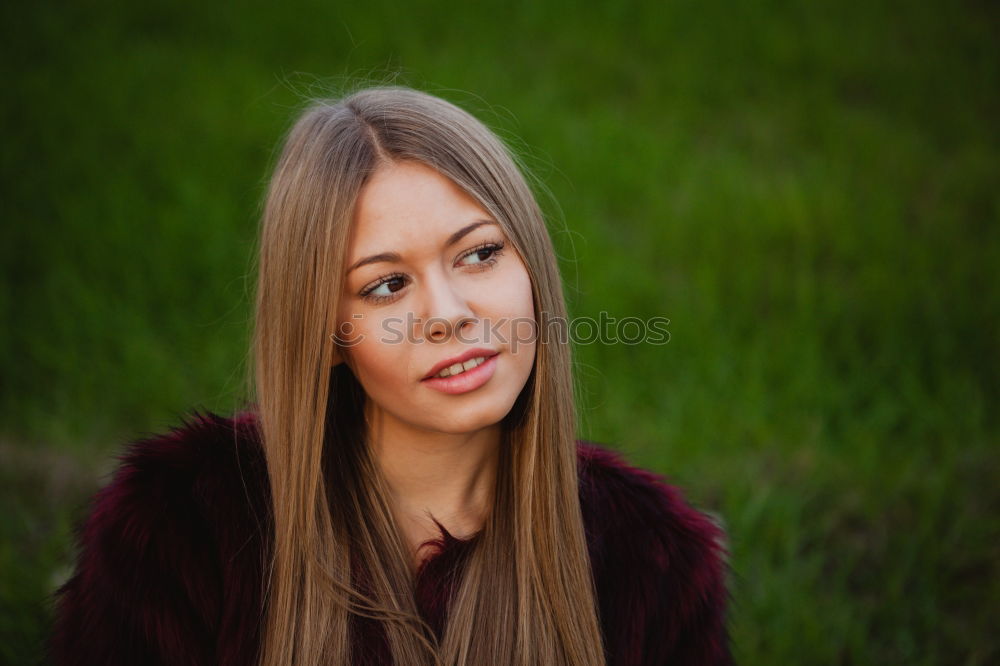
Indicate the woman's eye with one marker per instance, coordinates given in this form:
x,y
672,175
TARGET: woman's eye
x,y
484,254
384,289
389,287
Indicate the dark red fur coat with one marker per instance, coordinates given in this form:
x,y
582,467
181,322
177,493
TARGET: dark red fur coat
x,y
170,560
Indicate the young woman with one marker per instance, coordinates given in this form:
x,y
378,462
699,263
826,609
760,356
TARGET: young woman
x,y
407,486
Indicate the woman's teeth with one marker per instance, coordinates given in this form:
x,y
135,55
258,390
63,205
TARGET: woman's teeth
x,y
459,368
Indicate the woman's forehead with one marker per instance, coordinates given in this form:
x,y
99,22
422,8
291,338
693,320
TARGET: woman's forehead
x,y
413,204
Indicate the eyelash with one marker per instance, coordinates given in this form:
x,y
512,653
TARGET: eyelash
x,y
486,264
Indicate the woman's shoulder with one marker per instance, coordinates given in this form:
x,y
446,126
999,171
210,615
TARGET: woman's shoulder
x,y
208,470
660,565
208,463
163,542
202,442
625,497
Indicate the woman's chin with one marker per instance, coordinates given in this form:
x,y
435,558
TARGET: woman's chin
x,y
471,420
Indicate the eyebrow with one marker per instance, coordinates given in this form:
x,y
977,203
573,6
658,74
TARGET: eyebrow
x,y
394,256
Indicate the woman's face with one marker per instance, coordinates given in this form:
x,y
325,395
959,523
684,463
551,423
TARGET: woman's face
x,y
432,278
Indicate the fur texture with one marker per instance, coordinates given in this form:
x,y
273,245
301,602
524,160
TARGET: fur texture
x,y
171,560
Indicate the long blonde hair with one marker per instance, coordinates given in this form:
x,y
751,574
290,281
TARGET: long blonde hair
x,y
527,595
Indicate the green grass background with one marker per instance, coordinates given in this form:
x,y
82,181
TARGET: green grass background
x,y
809,191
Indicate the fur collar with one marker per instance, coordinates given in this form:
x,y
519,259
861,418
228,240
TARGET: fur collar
x,y
172,553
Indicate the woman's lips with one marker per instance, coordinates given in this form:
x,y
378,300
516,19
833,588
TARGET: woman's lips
x,y
466,381
467,355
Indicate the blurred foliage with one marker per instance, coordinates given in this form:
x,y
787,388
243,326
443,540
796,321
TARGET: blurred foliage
x,y
807,190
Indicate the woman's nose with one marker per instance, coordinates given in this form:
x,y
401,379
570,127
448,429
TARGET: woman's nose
x,y
448,310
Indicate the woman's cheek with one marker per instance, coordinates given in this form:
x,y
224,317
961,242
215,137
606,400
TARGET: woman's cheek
x,y
372,371
392,346
519,307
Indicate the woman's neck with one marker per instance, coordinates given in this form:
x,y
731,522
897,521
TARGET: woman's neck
x,y
451,477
